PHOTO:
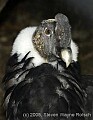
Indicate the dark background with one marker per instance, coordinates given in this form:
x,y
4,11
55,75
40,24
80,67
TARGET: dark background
x,y
18,14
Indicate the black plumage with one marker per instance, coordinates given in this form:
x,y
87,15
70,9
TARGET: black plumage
x,y
43,89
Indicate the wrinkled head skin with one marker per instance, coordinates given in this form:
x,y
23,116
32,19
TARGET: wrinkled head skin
x,y
44,39
52,36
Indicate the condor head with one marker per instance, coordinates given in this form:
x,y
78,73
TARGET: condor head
x,y
48,42
53,38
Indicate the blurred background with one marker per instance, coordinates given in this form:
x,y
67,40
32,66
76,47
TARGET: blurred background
x,y
18,14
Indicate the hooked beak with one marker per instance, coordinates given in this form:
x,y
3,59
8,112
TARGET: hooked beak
x,y
66,56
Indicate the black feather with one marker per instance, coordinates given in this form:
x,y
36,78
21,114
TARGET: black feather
x,y
44,90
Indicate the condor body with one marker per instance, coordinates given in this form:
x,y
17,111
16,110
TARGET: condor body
x,y
37,79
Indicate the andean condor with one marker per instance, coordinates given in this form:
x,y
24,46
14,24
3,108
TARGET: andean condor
x,y
42,80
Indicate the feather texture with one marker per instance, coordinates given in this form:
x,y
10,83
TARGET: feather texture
x,y
42,89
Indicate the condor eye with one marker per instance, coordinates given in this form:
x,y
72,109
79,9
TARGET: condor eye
x,y
47,31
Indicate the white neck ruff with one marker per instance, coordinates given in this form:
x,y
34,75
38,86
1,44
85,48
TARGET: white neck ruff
x,y
23,44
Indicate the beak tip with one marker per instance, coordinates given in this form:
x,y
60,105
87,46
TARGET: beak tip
x,y
67,65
